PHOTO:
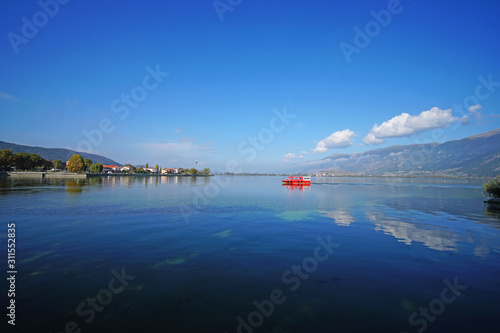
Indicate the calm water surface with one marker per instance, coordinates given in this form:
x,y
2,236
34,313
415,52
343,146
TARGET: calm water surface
x,y
245,254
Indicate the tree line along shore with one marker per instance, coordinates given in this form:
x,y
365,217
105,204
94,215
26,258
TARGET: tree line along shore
x,y
30,162
34,164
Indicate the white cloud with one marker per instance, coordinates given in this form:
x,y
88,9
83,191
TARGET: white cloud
x,y
288,157
185,140
303,154
475,110
406,125
183,148
465,120
177,130
339,139
371,139
6,96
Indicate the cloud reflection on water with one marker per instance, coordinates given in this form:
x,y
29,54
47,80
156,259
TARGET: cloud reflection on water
x,y
412,227
409,232
340,217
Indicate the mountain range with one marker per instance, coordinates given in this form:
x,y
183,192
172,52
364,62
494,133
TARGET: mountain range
x,y
473,156
55,153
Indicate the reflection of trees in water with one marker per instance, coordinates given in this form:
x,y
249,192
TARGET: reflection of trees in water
x,y
94,180
143,180
52,181
74,186
493,210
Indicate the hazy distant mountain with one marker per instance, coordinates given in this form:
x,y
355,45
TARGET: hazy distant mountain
x,y
55,153
477,155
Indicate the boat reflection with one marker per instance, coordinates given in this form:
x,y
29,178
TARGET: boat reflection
x,y
297,187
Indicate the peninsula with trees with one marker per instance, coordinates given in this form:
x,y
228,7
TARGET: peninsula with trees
x,y
23,163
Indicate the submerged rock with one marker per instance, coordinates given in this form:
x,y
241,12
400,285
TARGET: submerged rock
x,y
495,201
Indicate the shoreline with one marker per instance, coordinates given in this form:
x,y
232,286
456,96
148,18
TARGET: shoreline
x,y
34,174
28,174
90,175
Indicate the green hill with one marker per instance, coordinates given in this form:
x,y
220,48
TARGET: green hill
x,y
55,153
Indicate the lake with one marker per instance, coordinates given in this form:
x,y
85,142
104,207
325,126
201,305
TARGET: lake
x,y
246,254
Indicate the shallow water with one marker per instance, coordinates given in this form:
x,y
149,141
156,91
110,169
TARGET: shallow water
x,y
243,254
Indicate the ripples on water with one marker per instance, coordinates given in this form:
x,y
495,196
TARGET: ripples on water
x,y
202,253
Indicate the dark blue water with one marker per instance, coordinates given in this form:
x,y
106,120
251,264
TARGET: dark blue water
x,y
245,254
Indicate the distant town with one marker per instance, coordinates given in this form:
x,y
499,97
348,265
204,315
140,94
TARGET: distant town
x,y
34,162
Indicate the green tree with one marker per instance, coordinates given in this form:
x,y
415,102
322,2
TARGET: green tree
x,y
22,161
88,163
5,158
206,171
492,187
76,163
156,167
139,170
147,165
58,164
35,161
17,160
47,164
96,168
193,171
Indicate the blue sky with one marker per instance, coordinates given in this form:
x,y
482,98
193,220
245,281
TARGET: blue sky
x,y
80,67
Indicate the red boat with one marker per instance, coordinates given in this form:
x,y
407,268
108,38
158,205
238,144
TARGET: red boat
x,y
297,180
